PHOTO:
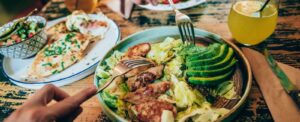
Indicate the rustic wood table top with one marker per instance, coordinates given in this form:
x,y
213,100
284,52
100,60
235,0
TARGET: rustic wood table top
x,y
284,45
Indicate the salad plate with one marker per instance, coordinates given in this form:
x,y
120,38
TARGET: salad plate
x,y
176,77
182,4
16,69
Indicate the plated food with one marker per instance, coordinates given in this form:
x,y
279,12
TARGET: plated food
x,y
74,47
67,43
21,30
180,4
167,1
183,83
23,37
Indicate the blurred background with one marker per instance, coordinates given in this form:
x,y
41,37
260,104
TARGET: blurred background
x,y
11,9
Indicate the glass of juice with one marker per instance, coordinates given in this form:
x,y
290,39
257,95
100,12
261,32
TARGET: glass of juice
x,y
249,26
87,6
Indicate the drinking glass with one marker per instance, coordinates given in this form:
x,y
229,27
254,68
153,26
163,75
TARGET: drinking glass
x,y
87,6
250,25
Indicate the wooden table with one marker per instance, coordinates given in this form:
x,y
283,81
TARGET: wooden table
x,y
284,45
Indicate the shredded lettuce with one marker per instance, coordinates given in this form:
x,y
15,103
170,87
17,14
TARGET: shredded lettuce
x,y
112,94
110,100
184,95
226,90
164,51
201,114
101,73
189,49
114,59
104,71
174,67
167,116
117,88
210,114
121,108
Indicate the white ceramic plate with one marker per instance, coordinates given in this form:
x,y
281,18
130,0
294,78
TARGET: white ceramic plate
x,y
180,5
15,69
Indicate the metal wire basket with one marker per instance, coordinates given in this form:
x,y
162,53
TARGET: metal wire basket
x,y
28,47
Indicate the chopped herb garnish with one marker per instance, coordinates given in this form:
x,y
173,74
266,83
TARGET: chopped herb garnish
x,y
47,64
62,65
73,58
69,36
58,50
54,72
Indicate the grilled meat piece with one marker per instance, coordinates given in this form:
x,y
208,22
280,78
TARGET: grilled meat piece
x,y
138,50
148,93
157,71
151,111
144,78
139,69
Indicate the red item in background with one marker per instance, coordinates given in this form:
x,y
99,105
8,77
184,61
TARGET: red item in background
x,y
167,1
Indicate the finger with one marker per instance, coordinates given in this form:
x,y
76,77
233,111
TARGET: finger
x,y
137,1
154,2
70,104
148,2
71,117
46,94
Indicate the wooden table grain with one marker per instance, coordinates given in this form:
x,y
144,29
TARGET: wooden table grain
x,y
284,45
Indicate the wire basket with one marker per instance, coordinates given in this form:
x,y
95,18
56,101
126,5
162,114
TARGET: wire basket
x,y
28,47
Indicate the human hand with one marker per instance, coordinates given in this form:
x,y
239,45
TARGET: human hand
x,y
66,109
153,2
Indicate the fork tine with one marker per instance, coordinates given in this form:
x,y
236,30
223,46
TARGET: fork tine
x,y
137,64
181,32
127,62
135,60
193,33
134,66
185,32
189,35
131,63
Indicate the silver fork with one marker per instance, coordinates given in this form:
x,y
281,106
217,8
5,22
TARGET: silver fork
x,y
122,68
184,24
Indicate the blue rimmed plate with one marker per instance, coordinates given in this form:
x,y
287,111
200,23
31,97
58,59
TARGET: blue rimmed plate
x,y
167,7
16,69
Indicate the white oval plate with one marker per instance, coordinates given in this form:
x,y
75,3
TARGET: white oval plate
x,y
15,69
180,5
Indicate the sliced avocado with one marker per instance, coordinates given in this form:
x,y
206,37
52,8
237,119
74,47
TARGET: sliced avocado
x,y
210,73
210,81
217,58
211,51
226,61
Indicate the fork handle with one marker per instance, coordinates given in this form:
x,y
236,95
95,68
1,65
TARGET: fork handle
x,y
107,84
173,6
